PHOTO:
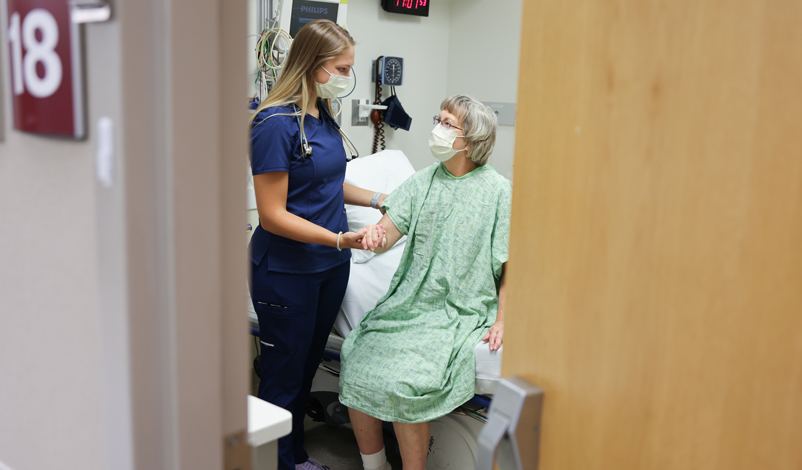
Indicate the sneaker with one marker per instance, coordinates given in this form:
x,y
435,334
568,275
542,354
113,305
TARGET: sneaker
x,y
311,464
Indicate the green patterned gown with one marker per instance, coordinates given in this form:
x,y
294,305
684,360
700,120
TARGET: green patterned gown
x,y
411,358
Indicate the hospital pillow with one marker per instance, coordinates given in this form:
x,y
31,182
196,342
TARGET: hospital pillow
x,y
383,171
370,273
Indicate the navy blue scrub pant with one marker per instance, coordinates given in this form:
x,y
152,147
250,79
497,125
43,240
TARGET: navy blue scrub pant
x,y
296,313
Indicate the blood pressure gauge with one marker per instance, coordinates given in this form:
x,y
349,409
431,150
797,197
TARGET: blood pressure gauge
x,y
392,71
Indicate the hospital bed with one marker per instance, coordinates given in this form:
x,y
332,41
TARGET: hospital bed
x,y
454,437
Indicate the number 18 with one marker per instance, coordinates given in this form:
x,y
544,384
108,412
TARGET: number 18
x,y
24,74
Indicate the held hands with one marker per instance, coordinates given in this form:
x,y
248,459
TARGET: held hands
x,y
369,237
495,335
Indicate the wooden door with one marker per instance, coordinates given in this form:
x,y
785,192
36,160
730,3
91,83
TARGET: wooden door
x,y
655,274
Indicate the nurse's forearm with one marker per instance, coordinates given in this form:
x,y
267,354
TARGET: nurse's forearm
x,y
271,202
288,225
358,196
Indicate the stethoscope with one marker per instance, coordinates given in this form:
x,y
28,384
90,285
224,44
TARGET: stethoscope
x,y
306,149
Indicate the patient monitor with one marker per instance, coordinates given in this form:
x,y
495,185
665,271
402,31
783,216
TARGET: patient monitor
x,y
296,13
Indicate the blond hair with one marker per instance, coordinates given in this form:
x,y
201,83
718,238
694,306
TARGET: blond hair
x,y
315,43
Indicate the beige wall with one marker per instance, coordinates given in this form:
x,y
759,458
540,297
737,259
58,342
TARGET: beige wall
x,y
51,371
123,343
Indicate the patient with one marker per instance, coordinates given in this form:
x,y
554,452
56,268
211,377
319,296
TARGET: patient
x,y
411,358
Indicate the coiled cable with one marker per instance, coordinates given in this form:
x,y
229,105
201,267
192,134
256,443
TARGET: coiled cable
x,y
271,53
377,118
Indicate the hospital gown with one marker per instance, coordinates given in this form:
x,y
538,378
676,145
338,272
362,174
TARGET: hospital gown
x,y
411,358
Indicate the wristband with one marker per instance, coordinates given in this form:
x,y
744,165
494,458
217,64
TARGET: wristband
x,y
374,201
338,241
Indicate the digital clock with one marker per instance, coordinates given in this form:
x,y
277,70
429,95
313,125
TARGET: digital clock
x,y
407,7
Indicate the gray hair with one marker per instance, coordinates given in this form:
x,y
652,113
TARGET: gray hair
x,y
479,123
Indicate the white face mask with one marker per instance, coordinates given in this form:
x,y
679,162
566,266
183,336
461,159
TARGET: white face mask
x,y
441,143
334,87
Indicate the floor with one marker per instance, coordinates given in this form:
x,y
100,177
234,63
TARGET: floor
x,y
331,446
337,448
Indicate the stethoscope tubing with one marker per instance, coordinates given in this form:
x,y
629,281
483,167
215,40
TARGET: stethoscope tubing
x,y
306,149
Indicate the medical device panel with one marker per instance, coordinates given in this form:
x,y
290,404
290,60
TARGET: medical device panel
x,y
296,13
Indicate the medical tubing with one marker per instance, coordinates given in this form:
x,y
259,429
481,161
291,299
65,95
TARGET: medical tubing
x,y
378,136
266,61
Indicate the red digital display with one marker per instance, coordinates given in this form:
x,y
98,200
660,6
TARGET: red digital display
x,y
408,7
43,56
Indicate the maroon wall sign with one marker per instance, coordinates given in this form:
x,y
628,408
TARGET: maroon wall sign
x,y
45,67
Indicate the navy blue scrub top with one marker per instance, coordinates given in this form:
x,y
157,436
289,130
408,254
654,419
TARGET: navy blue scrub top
x,y
314,192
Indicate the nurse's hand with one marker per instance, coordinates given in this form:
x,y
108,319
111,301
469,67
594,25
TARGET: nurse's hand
x,y
495,335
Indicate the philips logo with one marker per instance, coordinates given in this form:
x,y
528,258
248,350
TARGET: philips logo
x,y
317,10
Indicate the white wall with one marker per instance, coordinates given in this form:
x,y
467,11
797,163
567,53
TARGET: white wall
x,y
423,43
483,52
463,46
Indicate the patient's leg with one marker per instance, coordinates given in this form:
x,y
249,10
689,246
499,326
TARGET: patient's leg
x,y
368,431
413,441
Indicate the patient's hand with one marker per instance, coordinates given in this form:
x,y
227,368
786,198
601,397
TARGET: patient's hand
x,y
495,335
368,237
373,236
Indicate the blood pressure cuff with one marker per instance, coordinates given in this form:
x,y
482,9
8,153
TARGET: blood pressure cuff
x,y
395,115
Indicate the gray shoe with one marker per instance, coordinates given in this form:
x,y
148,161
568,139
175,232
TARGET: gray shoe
x,y
311,464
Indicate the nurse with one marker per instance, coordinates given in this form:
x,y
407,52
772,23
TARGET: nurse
x,y
301,249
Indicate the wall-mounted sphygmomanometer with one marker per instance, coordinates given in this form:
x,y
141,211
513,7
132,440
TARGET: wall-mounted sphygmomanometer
x,y
388,71
392,71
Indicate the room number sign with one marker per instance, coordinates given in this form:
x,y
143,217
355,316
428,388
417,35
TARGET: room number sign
x,y
44,63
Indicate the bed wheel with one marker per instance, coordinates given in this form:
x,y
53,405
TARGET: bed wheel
x,y
315,411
